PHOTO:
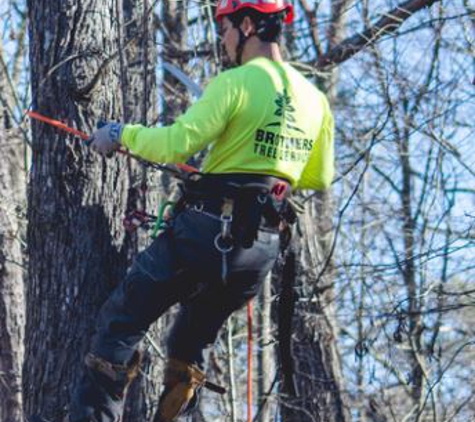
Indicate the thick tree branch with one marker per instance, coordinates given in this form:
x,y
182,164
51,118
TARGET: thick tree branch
x,y
312,23
389,23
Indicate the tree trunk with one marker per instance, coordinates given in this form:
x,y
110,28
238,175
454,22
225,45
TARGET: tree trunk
x,y
139,93
317,363
176,98
76,198
12,306
141,59
266,354
415,329
318,368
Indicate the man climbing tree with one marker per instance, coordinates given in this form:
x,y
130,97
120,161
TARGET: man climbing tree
x,y
270,131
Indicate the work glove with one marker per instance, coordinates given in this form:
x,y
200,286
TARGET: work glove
x,y
106,139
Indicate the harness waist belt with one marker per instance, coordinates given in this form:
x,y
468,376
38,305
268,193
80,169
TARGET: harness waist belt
x,y
257,200
214,185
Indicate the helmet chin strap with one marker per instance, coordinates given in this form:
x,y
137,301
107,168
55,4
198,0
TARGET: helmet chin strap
x,y
240,47
243,38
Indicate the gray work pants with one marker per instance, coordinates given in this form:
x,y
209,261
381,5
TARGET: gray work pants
x,y
181,265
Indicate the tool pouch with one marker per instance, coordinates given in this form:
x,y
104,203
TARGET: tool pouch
x,y
250,206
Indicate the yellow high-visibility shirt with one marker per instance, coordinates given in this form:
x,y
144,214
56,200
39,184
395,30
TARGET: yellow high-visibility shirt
x,y
262,118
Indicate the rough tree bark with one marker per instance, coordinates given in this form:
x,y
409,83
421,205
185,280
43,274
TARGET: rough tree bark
x,y
266,351
139,93
416,325
174,31
142,86
76,198
317,363
12,202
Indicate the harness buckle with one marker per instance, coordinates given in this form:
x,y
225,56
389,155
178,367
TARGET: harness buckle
x,y
226,218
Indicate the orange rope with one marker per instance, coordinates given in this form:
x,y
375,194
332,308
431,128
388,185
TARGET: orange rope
x,y
62,126
57,124
249,361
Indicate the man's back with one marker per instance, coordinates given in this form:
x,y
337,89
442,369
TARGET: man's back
x,y
274,119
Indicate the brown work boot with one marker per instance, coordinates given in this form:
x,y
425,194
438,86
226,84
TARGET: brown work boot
x,y
182,381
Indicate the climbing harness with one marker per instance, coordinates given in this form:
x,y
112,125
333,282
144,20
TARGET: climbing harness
x,y
223,241
243,203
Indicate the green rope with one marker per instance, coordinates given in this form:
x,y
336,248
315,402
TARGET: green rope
x,y
161,223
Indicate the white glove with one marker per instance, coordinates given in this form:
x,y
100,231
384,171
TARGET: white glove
x,y
106,140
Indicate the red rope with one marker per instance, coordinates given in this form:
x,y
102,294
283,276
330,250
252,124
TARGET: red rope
x,y
249,361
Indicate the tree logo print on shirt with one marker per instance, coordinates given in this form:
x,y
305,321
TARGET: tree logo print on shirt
x,y
286,111
285,108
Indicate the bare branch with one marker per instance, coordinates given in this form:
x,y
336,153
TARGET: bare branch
x,y
389,23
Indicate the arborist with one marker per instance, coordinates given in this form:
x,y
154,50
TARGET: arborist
x,y
270,131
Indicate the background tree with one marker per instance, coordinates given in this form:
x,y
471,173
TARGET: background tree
x,y
406,164
13,153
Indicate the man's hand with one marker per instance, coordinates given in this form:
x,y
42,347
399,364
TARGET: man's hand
x,y
106,140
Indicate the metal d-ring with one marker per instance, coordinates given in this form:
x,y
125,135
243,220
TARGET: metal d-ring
x,y
262,198
222,249
198,207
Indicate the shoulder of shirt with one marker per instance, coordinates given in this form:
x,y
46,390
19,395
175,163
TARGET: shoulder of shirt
x,y
241,72
309,86
223,78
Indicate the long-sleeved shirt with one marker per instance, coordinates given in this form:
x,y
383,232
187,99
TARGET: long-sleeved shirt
x,y
262,118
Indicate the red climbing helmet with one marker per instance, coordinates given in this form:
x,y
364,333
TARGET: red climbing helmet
x,y
227,7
